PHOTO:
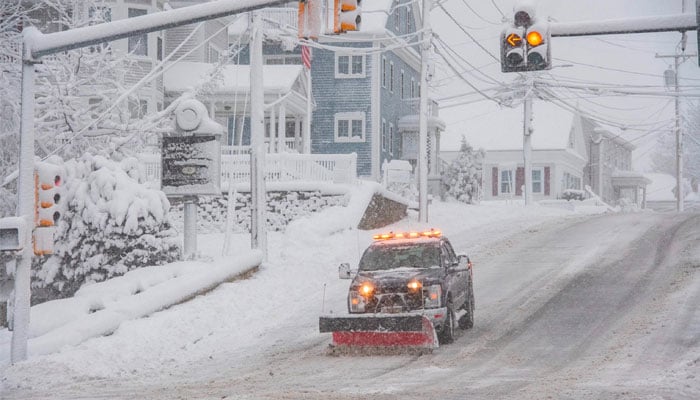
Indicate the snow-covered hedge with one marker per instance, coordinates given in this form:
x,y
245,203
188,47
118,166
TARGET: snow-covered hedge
x,y
112,223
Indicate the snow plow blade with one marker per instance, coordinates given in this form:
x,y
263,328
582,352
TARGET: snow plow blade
x,y
374,332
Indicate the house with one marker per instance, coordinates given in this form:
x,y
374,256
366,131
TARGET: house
x,y
566,152
365,84
609,169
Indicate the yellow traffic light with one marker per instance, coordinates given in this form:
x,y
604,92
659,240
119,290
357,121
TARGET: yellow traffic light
x,y
534,38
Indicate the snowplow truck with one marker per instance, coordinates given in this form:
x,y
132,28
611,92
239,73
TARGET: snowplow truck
x,y
410,291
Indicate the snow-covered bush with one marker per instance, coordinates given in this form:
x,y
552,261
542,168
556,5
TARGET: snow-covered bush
x,y
573,194
112,223
462,178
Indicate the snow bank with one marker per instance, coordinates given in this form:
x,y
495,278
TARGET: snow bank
x,y
100,309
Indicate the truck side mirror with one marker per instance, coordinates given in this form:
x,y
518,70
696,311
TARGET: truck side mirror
x,y
344,271
464,260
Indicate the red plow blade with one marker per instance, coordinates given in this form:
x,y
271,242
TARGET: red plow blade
x,y
380,332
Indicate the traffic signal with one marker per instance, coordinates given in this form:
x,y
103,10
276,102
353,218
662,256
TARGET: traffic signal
x,y
525,44
512,50
48,193
346,15
538,51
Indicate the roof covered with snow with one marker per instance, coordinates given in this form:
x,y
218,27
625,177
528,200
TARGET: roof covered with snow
x,y
234,78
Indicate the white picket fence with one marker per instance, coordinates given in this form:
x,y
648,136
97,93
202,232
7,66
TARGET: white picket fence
x,y
280,167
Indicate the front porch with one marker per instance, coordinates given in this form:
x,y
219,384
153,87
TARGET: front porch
x,y
225,91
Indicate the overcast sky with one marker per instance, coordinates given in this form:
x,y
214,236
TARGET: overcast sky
x,y
618,59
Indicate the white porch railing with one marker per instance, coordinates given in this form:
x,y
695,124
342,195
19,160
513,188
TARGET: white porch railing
x,y
280,167
281,15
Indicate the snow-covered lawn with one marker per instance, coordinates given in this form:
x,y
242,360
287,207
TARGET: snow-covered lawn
x,y
279,303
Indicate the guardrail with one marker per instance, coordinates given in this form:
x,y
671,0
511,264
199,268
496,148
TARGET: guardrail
x,y
280,167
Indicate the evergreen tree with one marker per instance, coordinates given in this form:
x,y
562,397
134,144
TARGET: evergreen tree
x,y
462,179
112,223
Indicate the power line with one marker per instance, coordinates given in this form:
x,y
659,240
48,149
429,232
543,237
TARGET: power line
x,y
478,15
468,34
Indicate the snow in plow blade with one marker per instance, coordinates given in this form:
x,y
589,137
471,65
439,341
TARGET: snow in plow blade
x,y
404,331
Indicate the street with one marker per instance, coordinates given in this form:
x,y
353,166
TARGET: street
x,y
589,307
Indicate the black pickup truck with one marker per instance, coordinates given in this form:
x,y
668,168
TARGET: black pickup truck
x,y
407,275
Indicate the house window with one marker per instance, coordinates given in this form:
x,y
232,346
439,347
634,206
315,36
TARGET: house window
x,y
537,180
350,127
138,45
571,181
384,72
99,14
159,55
391,138
506,183
413,88
384,132
349,66
138,109
214,54
401,82
408,18
397,18
391,77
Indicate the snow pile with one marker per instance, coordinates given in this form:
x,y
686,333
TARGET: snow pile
x,y
112,224
99,309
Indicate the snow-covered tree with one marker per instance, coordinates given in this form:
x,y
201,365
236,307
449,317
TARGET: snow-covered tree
x,y
113,223
76,92
12,17
76,97
462,178
664,158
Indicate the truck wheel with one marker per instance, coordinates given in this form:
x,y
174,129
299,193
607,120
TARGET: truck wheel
x,y
466,321
447,335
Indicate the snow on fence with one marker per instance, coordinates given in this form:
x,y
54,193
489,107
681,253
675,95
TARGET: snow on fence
x,y
280,167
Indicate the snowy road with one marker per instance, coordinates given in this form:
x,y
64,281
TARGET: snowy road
x,y
600,307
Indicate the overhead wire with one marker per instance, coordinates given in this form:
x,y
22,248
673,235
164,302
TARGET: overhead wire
x,y
468,34
479,15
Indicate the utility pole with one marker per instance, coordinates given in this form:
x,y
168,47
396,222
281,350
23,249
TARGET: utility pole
x,y
527,145
258,235
677,59
423,115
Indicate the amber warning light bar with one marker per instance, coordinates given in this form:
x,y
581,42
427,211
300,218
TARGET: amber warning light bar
x,y
408,235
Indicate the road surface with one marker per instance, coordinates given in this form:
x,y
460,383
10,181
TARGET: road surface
x,y
601,307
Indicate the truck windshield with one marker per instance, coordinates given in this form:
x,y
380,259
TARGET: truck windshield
x,y
414,255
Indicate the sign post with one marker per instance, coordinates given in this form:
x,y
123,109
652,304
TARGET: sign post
x,y
191,164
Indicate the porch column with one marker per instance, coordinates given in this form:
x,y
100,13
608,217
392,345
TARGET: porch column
x,y
297,134
273,132
306,137
282,129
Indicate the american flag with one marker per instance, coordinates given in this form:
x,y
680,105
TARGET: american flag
x,y
306,56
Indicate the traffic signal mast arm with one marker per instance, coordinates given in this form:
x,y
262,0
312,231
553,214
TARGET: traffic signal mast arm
x,y
666,23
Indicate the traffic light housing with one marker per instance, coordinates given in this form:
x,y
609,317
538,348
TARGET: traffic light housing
x,y
538,51
346,15
525,44
48,193
513,50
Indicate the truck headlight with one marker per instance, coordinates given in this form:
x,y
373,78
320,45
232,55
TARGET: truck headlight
x,y
356,302
432,296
